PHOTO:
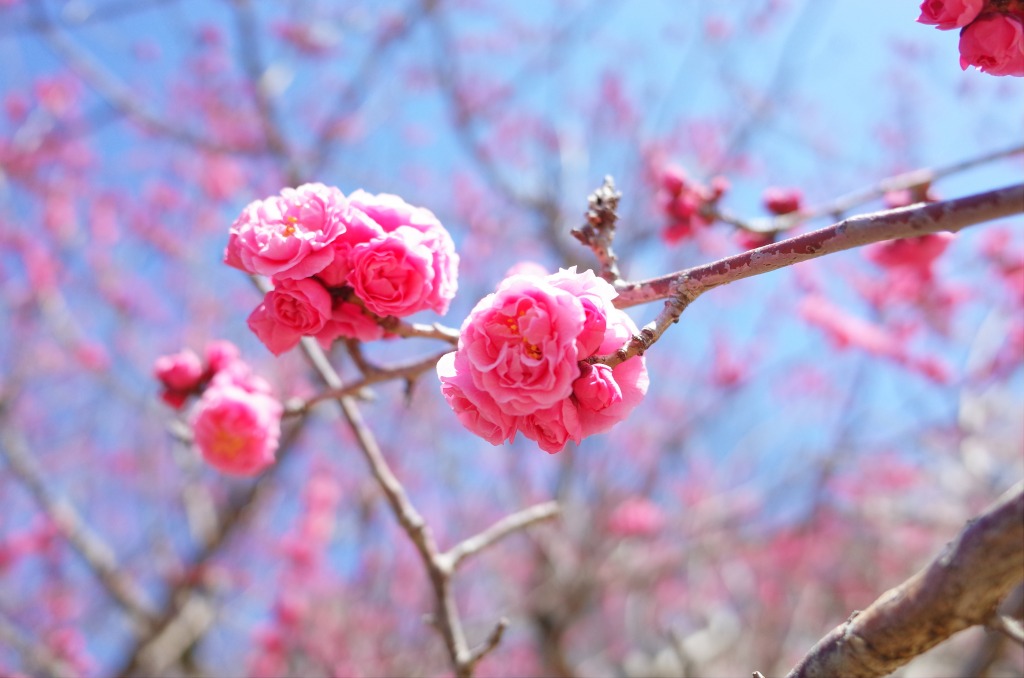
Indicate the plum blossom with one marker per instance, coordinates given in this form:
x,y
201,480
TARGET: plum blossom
x,y
237,424
339,264
292,310
287,236
994,44
949,14
521,361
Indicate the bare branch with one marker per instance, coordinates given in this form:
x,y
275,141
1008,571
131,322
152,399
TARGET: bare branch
x,y
683,287
493,640
499,530
958,589
905,222
95,552
373,375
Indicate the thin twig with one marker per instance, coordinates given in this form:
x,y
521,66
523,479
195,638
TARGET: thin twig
x,y
375,375
499,530
599,231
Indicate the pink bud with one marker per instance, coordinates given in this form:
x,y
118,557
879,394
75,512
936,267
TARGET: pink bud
x,y
994,44
780,201
179,371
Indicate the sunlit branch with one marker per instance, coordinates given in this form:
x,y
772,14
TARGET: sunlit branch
x,y
918,179
374,375
682,287
96,554
958,589
501,529
255,69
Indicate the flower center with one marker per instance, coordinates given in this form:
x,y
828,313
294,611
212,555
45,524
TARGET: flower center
x,y
532,350
290,228
227,444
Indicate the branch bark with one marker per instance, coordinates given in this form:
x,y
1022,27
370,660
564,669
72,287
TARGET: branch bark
x,y
960,588
683,287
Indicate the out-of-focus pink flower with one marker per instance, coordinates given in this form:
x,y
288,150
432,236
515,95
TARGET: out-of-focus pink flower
x,y
994,44
781,200
287,236
315,38
237,430
749,240
949,14
918,253
686,203
220,354
518,366
180,374
222,177
636,517
292,310
527,268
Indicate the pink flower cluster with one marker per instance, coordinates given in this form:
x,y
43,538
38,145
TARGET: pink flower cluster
x,y
183,374
339,264
991,35
687,204
237,422
521,361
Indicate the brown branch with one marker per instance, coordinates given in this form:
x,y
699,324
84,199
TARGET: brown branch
x,y
498,531
683,287
960,588
373,375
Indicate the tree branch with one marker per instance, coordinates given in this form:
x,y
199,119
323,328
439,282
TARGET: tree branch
x,y
683,287
96,554
500,530
960,588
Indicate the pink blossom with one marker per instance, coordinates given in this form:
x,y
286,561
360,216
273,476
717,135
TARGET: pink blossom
x,y
180,375
636,517
994,44
287,236
780,201
552,427
292,310
350,321
949,14
396,216
394,275
520,344
220,354
475,409
520,365
236,430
